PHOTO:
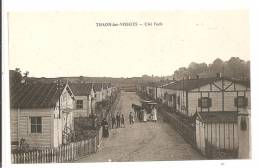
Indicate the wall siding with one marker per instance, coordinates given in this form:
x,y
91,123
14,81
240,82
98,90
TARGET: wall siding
x,y
86,107
216,95
24,127
220,135
14,124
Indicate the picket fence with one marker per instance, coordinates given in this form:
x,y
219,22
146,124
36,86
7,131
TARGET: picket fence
x,y
64,153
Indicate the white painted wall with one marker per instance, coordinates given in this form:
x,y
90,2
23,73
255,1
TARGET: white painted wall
x,y
220,135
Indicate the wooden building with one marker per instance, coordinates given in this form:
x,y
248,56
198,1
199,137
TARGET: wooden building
x,y
84,99
209,95
155,90
41,114
99,92
217,133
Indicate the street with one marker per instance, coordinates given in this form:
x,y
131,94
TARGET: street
x,y
142,141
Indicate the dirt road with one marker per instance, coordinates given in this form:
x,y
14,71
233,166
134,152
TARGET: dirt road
x,y
142,141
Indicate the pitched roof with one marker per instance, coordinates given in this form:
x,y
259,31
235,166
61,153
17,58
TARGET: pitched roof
x,y
107,85
159,83
196,83
218,117
81,89
97,86
190,84
35,95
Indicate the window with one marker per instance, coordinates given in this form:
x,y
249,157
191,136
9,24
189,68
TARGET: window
x,y
36,125
204,102
79,104
241,101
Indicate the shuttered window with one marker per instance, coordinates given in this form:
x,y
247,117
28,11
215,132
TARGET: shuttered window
x,y
79,104
36,124
241,101
205,102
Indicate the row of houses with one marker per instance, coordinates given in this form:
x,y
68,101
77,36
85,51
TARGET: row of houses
x,y
43,114
213,103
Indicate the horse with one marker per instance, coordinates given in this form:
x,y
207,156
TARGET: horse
x,y
137,110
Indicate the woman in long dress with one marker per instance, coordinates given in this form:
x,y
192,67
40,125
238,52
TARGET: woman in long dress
x,y
144,114
154,114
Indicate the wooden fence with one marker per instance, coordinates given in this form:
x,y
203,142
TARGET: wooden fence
x,y
64,153
187,131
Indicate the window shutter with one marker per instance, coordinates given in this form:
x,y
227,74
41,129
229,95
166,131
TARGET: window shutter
x,y
235,101
245,101
199,102
210,102
243,125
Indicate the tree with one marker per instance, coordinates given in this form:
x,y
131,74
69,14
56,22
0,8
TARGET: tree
x,y
26,74
181,73
15,76
233,68
196,68
217,66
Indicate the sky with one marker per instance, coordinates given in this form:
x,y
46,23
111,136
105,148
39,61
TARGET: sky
x,y
54,44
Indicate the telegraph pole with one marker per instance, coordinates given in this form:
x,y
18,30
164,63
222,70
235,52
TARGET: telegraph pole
x,y
58,87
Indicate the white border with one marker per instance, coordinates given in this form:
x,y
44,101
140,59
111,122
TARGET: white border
x,y
140,5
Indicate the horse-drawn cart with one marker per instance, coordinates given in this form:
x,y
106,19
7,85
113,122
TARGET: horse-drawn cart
x,y
147,111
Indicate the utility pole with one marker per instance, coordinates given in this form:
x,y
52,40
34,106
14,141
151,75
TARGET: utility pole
x,y
58,87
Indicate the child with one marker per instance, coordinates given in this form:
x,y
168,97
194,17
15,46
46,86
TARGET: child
x,y
122,120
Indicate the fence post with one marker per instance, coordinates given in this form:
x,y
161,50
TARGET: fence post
x,y
24,156
69,151
45,156
14,158
72,151
67,155
62,153
55,155
78,147
59,154
18,158
95,144
32,157
88,146
85,146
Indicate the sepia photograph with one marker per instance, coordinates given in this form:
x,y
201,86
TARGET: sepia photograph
x,y
129,86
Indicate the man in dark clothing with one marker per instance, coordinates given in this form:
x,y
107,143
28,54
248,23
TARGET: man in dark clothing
x,y
105,128
113,121
118,120
122,120
131,118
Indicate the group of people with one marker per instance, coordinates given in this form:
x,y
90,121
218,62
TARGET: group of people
x,y
118,121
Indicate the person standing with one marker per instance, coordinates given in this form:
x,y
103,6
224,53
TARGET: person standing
x,y
118,120
122,120
113,121
131,121
154,114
